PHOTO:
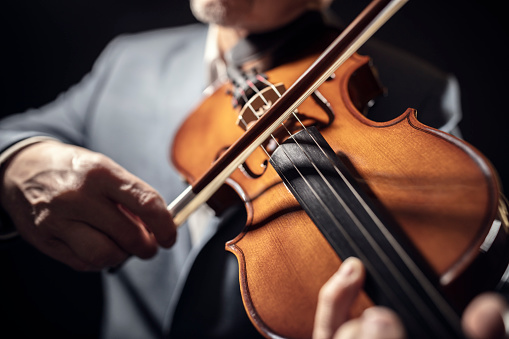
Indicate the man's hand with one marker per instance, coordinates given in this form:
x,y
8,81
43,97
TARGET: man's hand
x,y
482,319
334,302
82,208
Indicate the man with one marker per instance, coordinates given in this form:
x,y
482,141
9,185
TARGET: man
x,y
85,179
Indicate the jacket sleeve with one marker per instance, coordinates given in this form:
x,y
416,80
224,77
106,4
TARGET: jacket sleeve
x,y
65,118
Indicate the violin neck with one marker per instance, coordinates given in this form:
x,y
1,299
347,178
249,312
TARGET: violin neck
x,y
354,226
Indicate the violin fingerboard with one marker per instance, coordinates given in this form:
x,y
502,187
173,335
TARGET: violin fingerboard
x,y
354,225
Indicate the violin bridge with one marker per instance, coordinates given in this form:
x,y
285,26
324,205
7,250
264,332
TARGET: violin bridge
x,y
259,104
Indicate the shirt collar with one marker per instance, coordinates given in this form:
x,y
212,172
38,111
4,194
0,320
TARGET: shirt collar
x,y
214,63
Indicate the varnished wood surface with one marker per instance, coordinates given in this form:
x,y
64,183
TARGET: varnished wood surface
x,y
440,191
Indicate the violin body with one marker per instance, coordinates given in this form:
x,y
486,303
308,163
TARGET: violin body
x,y
440,191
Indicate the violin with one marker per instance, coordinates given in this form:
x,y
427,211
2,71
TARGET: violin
x,y
321,182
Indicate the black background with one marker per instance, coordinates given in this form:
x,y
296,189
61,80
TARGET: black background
x,y
49,45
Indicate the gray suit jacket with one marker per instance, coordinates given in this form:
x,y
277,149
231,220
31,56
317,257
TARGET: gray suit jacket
x,y
129,107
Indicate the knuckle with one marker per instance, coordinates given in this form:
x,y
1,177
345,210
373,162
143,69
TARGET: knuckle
x,y
148,199
92,173
151,200
93,167
88,161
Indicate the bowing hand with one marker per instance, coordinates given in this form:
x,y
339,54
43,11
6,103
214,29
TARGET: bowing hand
x,y
81,208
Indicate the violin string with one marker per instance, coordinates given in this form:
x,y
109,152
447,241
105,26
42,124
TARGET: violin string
x,y
366,207
411,265
329,186
387,290
389,293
